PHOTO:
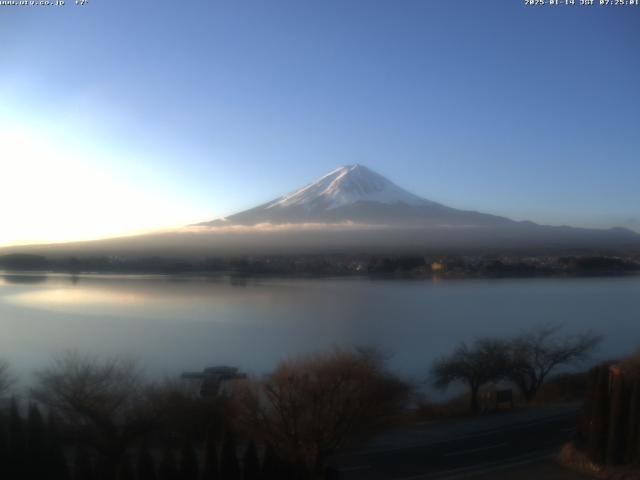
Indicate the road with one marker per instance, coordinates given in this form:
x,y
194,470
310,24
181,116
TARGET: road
x,y
469,455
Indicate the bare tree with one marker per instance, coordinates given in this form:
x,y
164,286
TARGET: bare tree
x,y
631,365
178,408
308,407
485,360
102,399
534,354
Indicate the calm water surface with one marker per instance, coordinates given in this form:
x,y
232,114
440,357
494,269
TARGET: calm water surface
x,y
172,324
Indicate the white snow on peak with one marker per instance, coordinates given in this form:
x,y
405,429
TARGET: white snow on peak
x,y
347,185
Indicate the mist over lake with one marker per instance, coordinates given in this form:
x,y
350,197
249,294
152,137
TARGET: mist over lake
x,y
174,323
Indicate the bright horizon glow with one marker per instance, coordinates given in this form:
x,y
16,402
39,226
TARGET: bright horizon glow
x,y
59,192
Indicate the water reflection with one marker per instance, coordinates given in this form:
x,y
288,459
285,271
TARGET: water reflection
x,y
182,323
77,296
20,279
237,281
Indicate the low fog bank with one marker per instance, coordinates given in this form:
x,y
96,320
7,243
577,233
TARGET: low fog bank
x,y
191,243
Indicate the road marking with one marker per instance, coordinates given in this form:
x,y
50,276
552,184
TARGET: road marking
x,y
474,450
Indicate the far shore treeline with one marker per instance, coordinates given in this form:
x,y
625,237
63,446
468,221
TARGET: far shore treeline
x,y
483,265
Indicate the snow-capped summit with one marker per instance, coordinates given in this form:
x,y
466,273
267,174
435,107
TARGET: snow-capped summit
x,y
353,208
348,185
355,194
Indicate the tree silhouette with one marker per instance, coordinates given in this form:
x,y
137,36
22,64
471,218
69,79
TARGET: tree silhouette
x,y
273,467
598,424
83,464
229,468
102,399
146,465
125,470
618,420
251,462
37,448
211,469
483,361
309,406
188,461
17,442
57,466
536,353
168,469
632,453
4,445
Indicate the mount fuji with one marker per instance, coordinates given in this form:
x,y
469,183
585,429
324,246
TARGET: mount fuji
x,y
355,208
356,194
351,209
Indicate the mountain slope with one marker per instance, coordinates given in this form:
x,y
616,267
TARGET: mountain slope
x,y
353,207
356,194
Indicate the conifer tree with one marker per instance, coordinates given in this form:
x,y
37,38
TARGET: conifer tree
x,y
584,431
250,462
188,461
125,469
56,461
269,464
4,443
83,464
211,466
36,444
146,465
168,469
617,418
599,422
331,473
273,467
633,434
229,468
17,443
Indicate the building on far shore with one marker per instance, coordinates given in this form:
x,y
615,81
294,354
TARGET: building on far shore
x,y
438,266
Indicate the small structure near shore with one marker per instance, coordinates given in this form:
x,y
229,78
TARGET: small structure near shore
x,y
494,399
215,381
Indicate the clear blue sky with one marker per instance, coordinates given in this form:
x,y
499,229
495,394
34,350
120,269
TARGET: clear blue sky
x,y
191,110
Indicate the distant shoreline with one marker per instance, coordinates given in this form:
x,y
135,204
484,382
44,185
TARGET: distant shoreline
x,y
427,267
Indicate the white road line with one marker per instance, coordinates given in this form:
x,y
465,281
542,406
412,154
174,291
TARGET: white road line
x,y
474,450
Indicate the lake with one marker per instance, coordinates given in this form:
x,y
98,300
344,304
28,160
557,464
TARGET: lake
x,y
173,324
